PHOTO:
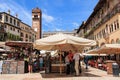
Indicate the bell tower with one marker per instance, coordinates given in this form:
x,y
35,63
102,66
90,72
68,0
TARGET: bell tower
x,y
37,22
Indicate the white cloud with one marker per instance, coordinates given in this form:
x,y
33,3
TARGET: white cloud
x,y
23,14
58,29
49,22
75,24
47,18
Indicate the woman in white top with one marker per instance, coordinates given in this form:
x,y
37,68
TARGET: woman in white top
x,y
1,62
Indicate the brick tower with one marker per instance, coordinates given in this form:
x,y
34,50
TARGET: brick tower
x,y
37,22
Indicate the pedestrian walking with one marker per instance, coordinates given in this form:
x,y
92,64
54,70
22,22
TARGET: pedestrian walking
x,y
1,62
76,57
86,61
70,57
30,64
41,62
67,62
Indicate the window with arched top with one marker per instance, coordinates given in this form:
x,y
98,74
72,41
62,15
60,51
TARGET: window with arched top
x,y
117,24
117,40
112,41
6,18
102,44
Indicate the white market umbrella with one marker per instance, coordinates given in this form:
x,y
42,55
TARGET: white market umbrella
x,y
94,54
93,51
110,49
63,42
2,50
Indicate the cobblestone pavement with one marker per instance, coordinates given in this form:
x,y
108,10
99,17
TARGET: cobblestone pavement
x,y
90,74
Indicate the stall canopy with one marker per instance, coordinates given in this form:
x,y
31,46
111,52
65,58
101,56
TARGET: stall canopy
x,y
93,51
2,44
2,50
110,49
63,42
106,49
96,54
19,44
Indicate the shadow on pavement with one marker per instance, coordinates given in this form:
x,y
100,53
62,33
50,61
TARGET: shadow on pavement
x,y
58,75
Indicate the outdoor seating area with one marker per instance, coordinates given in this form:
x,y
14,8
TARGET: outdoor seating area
x,y
95,64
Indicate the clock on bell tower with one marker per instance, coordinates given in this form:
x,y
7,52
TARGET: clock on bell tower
x,y
37,22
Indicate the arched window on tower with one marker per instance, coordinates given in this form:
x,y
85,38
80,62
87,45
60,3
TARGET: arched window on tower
x,y
35,16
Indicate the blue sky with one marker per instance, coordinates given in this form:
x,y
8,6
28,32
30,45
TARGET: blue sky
x,y
57,15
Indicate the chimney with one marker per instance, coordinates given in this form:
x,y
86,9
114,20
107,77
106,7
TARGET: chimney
x,y
16,15
9,11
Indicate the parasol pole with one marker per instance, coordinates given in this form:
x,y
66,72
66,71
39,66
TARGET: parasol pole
x,y
60,58
60,63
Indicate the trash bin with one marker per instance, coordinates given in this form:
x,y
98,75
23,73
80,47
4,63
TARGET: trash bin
x,y
109,66
115,68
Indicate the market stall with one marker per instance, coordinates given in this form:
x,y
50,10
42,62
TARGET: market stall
x,y
62,42
16,59
113,52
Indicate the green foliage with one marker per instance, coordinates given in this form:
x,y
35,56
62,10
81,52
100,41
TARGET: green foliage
x,y
13,37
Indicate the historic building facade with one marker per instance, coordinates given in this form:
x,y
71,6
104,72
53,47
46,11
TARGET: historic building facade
x,y
14,28
37,22
2,32
103,25
49,33
27,33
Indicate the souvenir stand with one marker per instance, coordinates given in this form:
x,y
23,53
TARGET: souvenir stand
x,y
15,64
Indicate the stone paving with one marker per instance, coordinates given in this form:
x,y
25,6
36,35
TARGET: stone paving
x,y
90,74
